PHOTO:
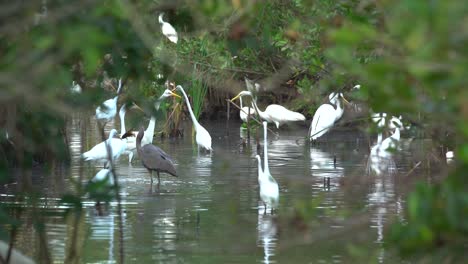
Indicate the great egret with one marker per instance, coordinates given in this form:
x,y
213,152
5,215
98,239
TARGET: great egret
x,y
449,156
99,152
168,30
129,139
202,136
75,88
104,175
154,158
383,149
269,191
380,119
109,107
325,116
274,113
130,136
245,110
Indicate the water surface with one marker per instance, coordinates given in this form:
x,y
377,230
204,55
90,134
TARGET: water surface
x,y
211,213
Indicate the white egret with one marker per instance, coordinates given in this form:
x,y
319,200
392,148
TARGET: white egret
x,y
449,156
75,88
168,30
274,113
380,119
129,140
99,152
326,116
107,110
104,175
202,137
383,149
149,132
269,190
245,110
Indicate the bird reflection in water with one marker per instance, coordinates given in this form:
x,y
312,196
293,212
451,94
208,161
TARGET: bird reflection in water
x,y
267,235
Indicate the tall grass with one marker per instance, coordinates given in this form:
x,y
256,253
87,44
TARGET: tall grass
x,y
197,92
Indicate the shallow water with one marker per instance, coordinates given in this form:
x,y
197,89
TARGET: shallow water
x,y
211,213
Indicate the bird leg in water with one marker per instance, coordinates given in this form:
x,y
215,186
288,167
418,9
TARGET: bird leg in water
x,y
151,175
159,181
264,212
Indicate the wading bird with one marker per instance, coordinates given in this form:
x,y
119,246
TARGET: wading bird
x,y
245,111
99,152
380,119
202,137
130,136
154,158
325,116
107,110
168,30
269,191
274,113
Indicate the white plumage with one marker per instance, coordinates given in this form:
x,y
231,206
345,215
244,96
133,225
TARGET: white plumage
x,y
202,137
274,113
326,116
269,190
168,30
107,110
99,152
104,175
149,132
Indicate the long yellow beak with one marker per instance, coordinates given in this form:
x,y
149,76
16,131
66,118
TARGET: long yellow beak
x,y
346,101
137,107
237,96
176,95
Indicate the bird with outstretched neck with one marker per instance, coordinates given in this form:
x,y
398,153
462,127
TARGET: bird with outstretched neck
x,y
202,137
269,190
154,158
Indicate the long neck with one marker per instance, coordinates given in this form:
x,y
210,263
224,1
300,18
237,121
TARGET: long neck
x,y
240,99
260,113
189,106
265,151
151,125
260,171
122,123
160,19
138,142
157,104
396,134
339,110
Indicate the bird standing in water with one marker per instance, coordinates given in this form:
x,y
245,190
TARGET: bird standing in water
x,y
154,158
269,190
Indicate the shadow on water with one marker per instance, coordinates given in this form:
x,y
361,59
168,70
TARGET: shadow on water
x,y
211,211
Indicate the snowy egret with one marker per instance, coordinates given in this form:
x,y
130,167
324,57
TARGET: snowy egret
x,y
202,136
274,113
154,158
107,110
168,30
99,152
326,115
269,191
